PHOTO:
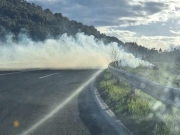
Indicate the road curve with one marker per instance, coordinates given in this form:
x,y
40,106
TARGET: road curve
x,y
29,98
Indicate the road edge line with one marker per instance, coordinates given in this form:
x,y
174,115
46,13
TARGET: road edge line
x,y
108,113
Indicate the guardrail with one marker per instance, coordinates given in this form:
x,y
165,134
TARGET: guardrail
x,y
167,95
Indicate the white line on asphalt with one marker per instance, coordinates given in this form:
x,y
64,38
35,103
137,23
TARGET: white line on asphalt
x,y
48,75
61,105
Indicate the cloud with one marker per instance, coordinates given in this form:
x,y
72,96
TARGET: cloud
x,y
163,42
175,32
149,7
123,35
154,23
153,29
106,12
43,1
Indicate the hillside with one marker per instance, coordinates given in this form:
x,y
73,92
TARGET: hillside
x,y
19,15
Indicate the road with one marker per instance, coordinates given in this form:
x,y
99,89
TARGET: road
x,y
46,102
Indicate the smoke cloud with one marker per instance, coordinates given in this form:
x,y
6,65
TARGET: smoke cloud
x,y
134,62
81,51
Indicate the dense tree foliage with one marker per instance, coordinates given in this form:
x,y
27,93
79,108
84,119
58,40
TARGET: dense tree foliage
x,y
19,15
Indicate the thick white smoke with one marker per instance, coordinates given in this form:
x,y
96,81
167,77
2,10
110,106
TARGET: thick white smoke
x,y
65,52
134,62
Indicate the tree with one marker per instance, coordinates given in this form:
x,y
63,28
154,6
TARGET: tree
x,y
17,14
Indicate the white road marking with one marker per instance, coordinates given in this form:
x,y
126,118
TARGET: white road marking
x,y
61,105
48,75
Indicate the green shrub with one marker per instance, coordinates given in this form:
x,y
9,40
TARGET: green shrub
x,y
133,107
139,109
161,129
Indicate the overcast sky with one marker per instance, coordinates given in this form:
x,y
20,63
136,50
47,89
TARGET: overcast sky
x,y
151,23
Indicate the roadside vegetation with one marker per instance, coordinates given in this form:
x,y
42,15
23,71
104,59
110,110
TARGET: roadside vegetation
x,y
163,73
139,112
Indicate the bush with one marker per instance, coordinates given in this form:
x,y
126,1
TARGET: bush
x,y
133,110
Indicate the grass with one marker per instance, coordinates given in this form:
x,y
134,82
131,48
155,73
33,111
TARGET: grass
x,y
165,74
139,112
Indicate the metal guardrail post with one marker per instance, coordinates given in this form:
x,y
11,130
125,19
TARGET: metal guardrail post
x,y
170,96
167,95
118,80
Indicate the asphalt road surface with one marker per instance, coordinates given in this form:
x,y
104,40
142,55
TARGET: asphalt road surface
x,y
38,103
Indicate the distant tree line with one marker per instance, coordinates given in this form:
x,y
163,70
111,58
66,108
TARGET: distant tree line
x,y
153,55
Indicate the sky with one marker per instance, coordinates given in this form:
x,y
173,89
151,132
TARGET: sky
x,y
150,23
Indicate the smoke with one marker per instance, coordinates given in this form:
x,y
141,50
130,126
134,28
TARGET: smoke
x,y
134,62
81,51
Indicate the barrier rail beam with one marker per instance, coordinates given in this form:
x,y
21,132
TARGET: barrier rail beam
x,y
167,95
